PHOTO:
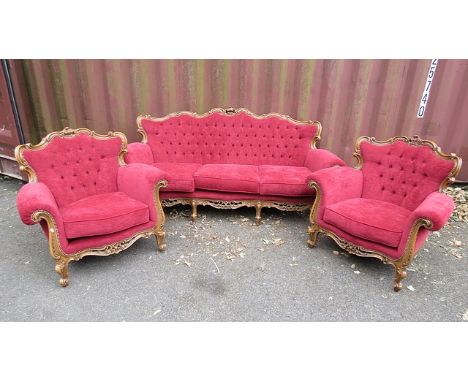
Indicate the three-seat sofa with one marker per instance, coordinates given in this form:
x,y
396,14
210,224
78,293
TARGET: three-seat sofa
x,y
230,158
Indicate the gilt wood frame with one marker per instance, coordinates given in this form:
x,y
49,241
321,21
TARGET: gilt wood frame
x,y
222,204
61,258
409,252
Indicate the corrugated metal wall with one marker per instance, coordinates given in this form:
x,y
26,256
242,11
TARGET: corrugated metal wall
x,y
350,97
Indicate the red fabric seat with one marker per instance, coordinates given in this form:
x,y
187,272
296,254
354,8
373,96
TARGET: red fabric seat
x,y
370,219
284,180
179,175
103,214
228,178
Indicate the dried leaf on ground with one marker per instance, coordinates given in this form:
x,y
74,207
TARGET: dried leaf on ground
x,y
465,315
278,241
460,197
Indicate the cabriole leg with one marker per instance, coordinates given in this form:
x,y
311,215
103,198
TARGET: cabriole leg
x,y
61,267
194,210
258,213
313,234
400,275
161,240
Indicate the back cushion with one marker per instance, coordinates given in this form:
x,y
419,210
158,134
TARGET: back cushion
x,y
401,173
236,139
77,167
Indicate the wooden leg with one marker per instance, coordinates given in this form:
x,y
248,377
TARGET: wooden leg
x,y
400,275
313,234
258,213
194,210
161,240
61,267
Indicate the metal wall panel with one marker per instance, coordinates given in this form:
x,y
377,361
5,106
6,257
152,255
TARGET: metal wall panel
x,y
350,97
9,137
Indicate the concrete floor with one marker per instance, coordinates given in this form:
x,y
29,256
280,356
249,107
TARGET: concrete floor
x,y
225,268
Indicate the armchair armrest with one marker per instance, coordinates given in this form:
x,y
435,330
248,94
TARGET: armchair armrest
x,y
139,153
437,208
33,197
138,181
337,184
318,159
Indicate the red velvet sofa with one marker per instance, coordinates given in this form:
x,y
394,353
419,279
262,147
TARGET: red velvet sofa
x,y
386,206
231,158
87,201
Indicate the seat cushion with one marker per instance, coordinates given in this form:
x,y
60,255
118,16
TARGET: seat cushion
x,y
179,175
103,214
228,178
369,219
284,180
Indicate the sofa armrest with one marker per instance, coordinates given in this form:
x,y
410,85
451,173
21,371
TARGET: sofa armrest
x,y
318,159
138,181
337,184
139,153
437,208
33,197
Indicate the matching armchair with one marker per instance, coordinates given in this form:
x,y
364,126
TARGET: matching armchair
x,y
386,206
87,201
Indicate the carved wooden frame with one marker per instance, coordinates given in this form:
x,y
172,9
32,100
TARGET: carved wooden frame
x,y
222,204
409,253
61,258
234,204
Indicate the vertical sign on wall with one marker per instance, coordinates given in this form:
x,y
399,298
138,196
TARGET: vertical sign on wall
x,y
427,88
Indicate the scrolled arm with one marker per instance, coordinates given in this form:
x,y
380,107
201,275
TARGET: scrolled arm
x,y
337,183
35,197
318,159
139,153
139,181
437,208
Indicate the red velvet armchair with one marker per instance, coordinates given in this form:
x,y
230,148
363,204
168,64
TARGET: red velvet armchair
x,y
87,201
386,206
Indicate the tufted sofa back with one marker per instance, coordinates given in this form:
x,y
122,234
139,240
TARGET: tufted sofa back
x,y
221,137
402,173
74,167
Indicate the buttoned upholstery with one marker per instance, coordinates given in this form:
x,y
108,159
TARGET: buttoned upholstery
x,y
74,168
235,139
400,173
